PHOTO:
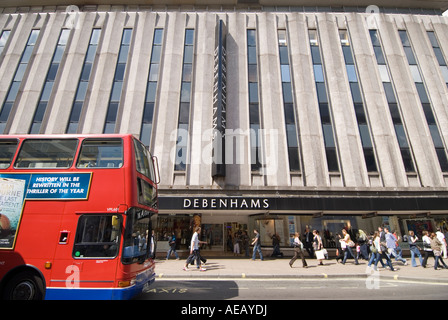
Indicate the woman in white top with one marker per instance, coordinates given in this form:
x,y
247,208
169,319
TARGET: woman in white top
x,y
375,250
426,248
414,249
298,247
348,248
194,250
318,245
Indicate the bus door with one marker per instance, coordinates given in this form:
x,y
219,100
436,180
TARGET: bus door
x,y
138,245
87,258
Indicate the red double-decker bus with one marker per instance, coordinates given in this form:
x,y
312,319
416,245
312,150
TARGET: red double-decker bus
x,y
76,214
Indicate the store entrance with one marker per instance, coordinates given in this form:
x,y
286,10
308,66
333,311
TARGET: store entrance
x,y
180,225
226,238
214,236
221,232
235,237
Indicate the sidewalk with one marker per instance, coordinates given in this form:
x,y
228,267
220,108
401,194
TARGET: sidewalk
x,y
245,268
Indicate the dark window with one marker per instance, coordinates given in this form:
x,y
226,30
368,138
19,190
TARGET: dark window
x,y
356,94
332,160
321,92
390,95
324,113
316,55
148,112
407,160
287,92
347,51
284,59
136,239
143,161
429,115
97,236
360,114
370,160
328,135
439,56
294,164
289,113
410,56
395,113
441,155
253,92
8,148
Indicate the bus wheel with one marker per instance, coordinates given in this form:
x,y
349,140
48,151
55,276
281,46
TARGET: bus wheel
x,y
24,286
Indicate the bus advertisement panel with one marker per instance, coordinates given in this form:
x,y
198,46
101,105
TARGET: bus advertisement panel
x,y
11,203
16,188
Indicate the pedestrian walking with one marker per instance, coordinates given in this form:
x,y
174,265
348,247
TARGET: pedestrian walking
x,y
298,251
414,249
229,241
436,246
308,242
391,243
236,244
318,246
384,253
276,245
194,251
382,235
245,243
153,245
349,245
375,249
363,245
172,249
398,249
340,248
257,245
442,239
426,248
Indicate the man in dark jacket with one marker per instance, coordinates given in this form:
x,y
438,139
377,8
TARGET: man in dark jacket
x,y
308,241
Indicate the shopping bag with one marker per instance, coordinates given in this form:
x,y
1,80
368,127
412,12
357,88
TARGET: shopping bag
x,y
320,254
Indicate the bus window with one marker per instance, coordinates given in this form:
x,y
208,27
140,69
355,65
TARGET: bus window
x,y
147,194
104,153
97,236
136,235
7,150
46,153
144,161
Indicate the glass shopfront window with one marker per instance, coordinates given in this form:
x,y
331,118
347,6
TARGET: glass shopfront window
x,y
180,224
330,225
213,235
220,232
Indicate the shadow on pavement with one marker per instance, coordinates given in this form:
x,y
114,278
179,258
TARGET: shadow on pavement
x,y
190,290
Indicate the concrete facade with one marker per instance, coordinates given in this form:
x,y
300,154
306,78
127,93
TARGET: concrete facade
x,y
314,173
274,178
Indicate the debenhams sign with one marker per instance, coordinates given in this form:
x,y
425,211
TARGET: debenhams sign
x,y
226,203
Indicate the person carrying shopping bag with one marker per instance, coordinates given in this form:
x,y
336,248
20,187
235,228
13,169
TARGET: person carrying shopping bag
x,y
298,251
349,245
318,247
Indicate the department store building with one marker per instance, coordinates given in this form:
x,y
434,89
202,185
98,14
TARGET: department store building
x,y
263,114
